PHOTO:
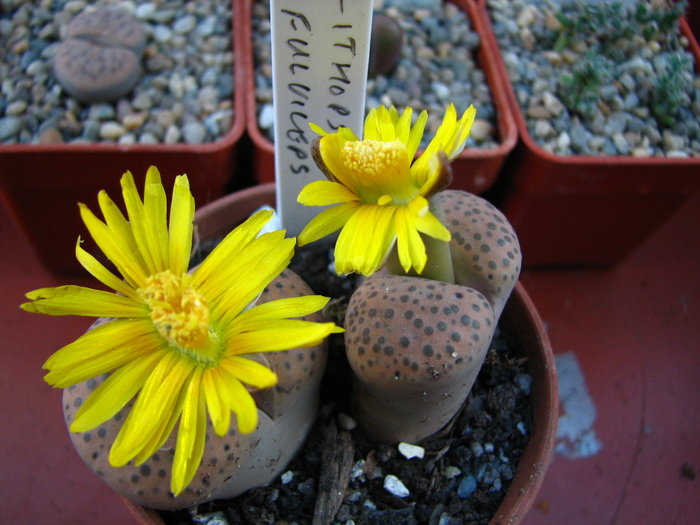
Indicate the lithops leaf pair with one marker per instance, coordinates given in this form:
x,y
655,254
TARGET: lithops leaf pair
x,y
416,345
235,462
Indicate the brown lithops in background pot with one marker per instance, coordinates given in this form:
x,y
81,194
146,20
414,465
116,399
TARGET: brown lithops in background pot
x,y
416,337
197,385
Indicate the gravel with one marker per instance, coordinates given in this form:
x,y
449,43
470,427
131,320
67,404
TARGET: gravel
x,y
621,120
438,67
185,92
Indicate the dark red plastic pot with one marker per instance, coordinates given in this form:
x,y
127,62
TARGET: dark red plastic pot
x,y
475,170
584,210
520,319
42,184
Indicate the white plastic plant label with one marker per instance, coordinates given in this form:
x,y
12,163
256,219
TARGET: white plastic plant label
x,y
320,53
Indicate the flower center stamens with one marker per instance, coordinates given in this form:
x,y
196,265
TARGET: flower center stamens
x,y
179,312
381,168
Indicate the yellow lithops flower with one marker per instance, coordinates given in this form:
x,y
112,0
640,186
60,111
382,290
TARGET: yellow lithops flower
x,y
183,343
380,195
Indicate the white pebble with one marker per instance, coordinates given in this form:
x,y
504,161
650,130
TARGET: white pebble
x,y
346,422
162,34
452,472
266,119
194,133
411,451
393,485
112,130
145,11
287,477
481,130
172,135
185,25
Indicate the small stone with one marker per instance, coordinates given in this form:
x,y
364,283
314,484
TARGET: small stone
x,y
111,130
452,472
551,22
411,451
133,121
185,25
481,130
142,102
554,58
394,486
346,422
50,136
162,34
194,133
552,104
307,487
563,141
527,16
148,138
172,134
287,477
538,112
527,38
266,118
544,130
467,487
9,126
673,142
16,108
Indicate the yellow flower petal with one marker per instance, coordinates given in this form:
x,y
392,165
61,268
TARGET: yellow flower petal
x,y
250,372
154,409
190,437
181,226
274,336
410,246
241,403
364,243
102,274
217,400
212,273
117,248
280,309
78,300
114,393
327,222
101,350
120,230
269,255
324,192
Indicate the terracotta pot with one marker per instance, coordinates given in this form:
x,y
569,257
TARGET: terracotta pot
x,y
586,210
40,184
520,320
475,170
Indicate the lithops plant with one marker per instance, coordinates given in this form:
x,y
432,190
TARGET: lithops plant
x,y
232,463
416,345
415,338
385,45
100,57
159,398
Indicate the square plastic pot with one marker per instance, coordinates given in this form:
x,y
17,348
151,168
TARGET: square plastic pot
x,y
42,184
585,210
475,170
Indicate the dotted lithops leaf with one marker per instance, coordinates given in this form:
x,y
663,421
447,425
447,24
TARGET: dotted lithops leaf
x,y
415,346
233,463
485,250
